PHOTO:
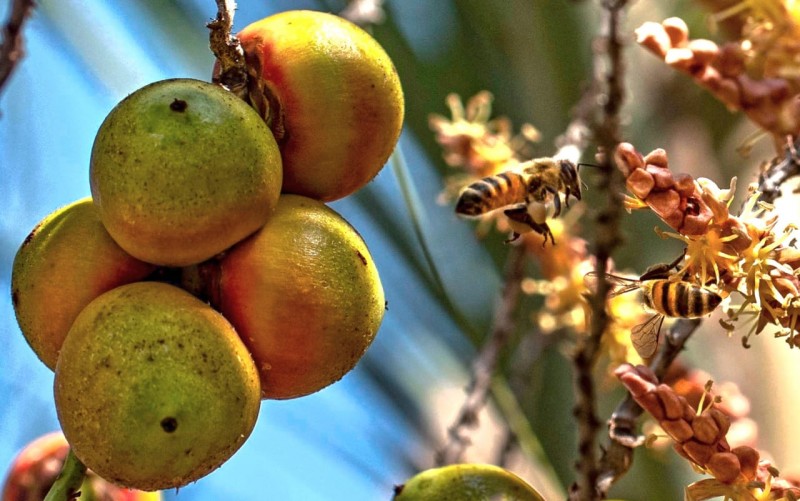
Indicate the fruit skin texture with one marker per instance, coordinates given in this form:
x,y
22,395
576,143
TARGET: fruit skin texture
x,y
466,482
153,387
67,260
304,295
181,170
35,468
335,97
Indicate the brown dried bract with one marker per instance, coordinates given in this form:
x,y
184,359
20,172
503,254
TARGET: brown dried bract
x,y
675,198
736,72
699,437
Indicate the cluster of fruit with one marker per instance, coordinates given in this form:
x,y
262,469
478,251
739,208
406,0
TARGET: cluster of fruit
x,y
206,271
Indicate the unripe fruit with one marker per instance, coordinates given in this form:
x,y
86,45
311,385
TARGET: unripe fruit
x,y
153,388
68,260
331,96
304,295
36,467
466,482
181,170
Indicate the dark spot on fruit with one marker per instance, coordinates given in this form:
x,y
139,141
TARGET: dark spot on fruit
x,y
30,236
178,105
187,451
150,358
169,424
398,489
161,341
361,257
14,297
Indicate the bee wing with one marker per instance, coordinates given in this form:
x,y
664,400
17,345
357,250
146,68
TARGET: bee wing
x,y
619,285
645,336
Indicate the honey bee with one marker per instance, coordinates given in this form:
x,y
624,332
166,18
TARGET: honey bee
x,y
532,182
666,297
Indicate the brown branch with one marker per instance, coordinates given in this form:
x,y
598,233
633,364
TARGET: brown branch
x,y
11,49
623,438
606,131
778,171
484,365
231,71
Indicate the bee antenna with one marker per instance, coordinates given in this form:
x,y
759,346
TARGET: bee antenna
x,y
578,167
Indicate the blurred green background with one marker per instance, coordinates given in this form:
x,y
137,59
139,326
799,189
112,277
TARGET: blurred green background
x,y
383,422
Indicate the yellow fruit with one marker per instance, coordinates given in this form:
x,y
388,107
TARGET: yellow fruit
x,y
181,170
466,482
153,388
304,295
68,260
332,98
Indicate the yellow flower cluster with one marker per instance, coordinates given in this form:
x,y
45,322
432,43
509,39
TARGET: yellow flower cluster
x,y
744,254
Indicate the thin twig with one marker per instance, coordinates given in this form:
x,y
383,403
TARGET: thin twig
x,y
405,182
623,438
11,48
484,365
606,131
778,171
232,69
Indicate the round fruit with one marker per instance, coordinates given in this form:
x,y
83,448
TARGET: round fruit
x,y
67,260
331,96
181,170
36,467
304,295
466,482
153,388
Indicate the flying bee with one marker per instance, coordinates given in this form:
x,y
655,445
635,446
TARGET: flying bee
x,y
532,182
664,296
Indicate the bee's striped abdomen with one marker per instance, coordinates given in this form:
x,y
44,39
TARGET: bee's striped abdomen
x,y
492,193
681,299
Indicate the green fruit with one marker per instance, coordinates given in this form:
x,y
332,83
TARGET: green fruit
x,y
68,260
466,482
181,170
153,388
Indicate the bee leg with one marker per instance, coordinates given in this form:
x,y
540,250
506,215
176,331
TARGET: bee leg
x,y
544,230
556,201
519,217
519,220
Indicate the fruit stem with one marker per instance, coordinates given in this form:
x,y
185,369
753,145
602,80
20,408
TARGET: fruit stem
x,y
68,482
232,72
